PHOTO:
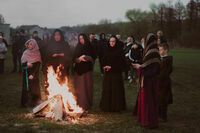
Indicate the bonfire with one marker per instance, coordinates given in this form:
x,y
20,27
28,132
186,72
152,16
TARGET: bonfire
x,y
61,104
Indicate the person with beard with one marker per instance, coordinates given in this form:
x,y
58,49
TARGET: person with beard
x,y
31,60
102,46
113,92
83,72
148,73
57,53
94,44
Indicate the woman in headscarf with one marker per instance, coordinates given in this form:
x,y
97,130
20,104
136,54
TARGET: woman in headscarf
x,y
31,60
113,92
58,53
148,73
83,70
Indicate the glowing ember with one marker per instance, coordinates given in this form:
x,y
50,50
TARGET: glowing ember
x,y
60,99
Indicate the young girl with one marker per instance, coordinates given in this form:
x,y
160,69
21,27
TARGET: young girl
x,y
31,62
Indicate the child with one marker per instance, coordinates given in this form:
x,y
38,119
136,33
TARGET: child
x,y
31,62
3,51
165,91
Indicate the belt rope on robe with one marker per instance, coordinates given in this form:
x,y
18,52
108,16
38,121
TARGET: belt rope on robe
x,y
26,72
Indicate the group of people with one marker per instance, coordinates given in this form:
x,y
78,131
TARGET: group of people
x,y
149,59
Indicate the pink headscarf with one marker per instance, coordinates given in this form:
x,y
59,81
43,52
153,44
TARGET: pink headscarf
x,y
33,55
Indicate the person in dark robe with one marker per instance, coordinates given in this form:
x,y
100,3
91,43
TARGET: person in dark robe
x,y
102,46
57,53
165,89
94,44
121,43
36,37
21,47
31,60
27,35
113,91
148,73
83,72
15,40
43,46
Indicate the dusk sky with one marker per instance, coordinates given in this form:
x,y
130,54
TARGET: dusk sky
x,y
56,13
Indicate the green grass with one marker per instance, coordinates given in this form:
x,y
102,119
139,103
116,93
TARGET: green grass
x,y
183,114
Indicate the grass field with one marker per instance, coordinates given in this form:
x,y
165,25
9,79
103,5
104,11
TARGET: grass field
x,y
183,114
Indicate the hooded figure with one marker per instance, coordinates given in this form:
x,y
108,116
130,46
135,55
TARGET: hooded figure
x,y
31,60
148,72
113,92
83,72
58,53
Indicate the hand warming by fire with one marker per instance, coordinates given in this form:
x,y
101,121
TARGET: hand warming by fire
x,y
61,103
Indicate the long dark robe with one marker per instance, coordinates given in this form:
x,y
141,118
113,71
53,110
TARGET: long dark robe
x,y
147,99
102,46
165,90
94,44
57,48
83,78
113,92
31,96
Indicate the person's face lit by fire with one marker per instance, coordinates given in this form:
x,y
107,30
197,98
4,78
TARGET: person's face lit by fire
x,y
57,36
82,41
112,42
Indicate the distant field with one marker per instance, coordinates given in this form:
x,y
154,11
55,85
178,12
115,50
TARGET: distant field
x,y
183,116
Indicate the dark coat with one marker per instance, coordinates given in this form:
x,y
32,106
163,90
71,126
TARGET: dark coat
x,y
165,89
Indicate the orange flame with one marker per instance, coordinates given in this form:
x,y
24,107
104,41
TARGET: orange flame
x,y
56,88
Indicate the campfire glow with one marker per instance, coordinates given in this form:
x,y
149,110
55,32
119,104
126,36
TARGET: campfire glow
x,y
61,102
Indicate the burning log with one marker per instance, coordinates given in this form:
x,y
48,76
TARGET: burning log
x,y
58,112
61,103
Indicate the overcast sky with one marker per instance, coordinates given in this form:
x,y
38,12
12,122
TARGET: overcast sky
x,y
56,13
